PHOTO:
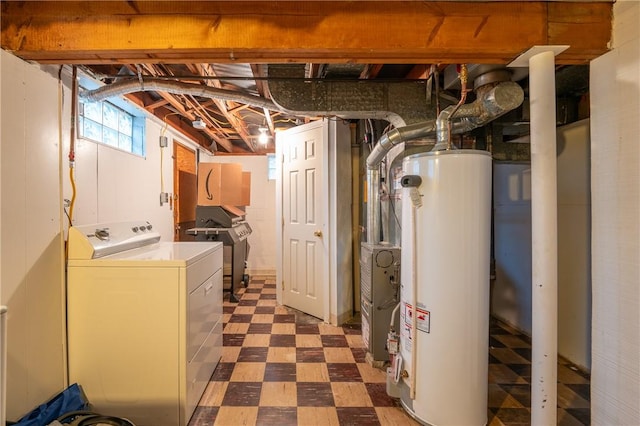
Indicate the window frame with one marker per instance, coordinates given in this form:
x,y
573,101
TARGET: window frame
x,y
272,167
138,122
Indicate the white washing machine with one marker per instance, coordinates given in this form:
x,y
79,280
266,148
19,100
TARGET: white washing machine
x,y
144,320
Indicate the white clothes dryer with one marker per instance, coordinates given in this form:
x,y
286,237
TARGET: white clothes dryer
x,y
144,320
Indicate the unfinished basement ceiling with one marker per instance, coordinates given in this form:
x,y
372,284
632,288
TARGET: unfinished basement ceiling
x,y
229,46
231,126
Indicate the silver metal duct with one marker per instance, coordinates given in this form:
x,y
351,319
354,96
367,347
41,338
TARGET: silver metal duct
x,y
386,142
177,88
493,100
396,136
399,103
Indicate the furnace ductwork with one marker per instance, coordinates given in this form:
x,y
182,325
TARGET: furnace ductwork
x,y
493,100
178,88
396,136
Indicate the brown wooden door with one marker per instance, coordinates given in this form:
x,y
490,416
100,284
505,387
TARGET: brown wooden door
x,y
185,191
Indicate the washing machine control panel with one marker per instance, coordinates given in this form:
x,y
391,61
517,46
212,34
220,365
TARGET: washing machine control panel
x,y
98,240
142,228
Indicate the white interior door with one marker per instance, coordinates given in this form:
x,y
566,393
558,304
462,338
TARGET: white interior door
x,y
305,218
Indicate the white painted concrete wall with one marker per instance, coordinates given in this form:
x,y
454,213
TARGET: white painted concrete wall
x,y
31,244
113,185
574,244
261,214
615,177
511,291
511,295
340,232
3,379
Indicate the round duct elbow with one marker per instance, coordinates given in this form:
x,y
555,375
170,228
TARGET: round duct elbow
x,y
503,98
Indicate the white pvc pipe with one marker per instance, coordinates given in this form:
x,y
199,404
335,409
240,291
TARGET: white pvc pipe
x,y
544,239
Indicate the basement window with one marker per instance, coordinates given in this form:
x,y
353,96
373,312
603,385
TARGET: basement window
x,y
109,124
271,161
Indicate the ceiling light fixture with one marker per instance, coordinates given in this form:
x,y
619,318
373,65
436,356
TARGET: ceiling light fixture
x,y
263,137
198,123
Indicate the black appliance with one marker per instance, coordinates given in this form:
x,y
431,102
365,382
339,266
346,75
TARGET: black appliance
x,y
227,225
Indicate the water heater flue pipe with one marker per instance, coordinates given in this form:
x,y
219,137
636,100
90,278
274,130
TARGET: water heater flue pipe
x,y
492,101
386,142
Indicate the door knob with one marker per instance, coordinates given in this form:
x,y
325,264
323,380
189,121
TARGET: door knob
x,y
318,233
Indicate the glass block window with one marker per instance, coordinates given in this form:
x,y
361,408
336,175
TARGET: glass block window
x,y
271,158
106,123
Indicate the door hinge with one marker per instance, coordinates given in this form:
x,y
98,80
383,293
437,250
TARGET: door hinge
x,y
282,284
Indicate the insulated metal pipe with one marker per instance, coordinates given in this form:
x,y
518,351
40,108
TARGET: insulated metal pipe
x,y
544,240
493,100
396,136
373,206
384,145
175,87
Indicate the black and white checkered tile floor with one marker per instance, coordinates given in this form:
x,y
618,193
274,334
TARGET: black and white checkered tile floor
x,y
280,366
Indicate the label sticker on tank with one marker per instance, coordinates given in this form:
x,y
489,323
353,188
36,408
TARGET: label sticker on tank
x,y
424,318
405,337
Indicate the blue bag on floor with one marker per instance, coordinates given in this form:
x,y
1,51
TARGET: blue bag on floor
x,y
70,399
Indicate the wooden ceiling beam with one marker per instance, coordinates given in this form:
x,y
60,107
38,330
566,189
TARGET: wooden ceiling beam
x,y
238,108
371,71
138,99
313,70
260,71
420,71
267,116
156,104
415,32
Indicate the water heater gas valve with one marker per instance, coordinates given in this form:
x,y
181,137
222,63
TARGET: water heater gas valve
x,y
392,342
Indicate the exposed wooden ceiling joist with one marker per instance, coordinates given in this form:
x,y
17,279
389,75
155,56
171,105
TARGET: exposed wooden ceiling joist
x,y
169,117
311,31
236,121
180,107
151,107
371,71
260,72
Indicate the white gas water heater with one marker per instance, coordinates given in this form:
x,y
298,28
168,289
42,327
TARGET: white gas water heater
x,y
442,361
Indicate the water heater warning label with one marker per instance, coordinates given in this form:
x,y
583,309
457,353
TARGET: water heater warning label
x,y
424,318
